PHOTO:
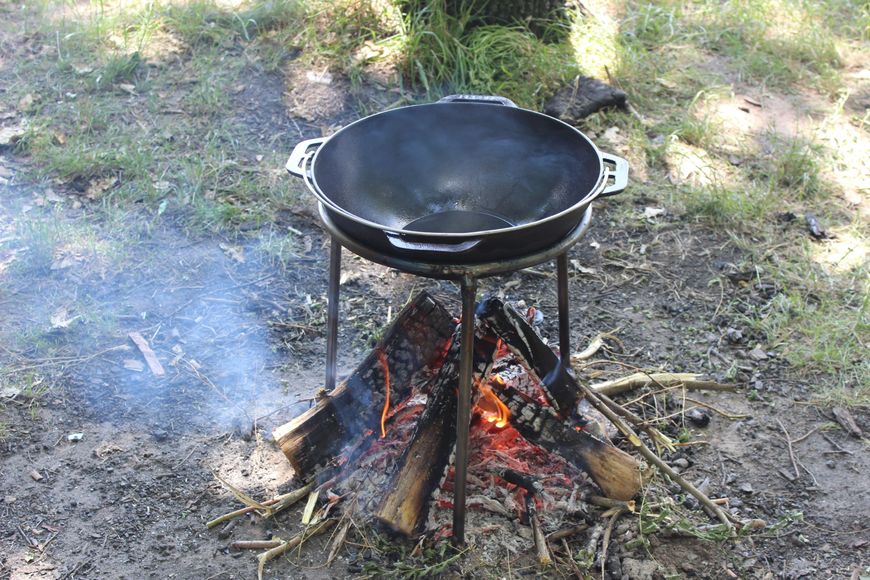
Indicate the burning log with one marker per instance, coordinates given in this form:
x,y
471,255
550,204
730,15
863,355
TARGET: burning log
x,y
422,464
616,472
417,338
538,358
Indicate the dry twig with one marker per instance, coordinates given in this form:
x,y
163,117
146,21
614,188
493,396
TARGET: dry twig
x,y
296,540
597,400
691,381
797,471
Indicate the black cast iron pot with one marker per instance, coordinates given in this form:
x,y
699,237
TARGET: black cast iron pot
x,y
467,179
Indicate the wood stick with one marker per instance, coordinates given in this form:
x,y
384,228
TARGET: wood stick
x,y
274,505
341,535
597,400
691,381
797,471
150,357
567,532
607,502
296,540
416,339
422,464
532,487
614,471
718,411
240,545
605,543
543,552
539,359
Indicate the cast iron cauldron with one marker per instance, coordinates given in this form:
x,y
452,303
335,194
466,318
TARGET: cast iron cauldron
x,y
467,179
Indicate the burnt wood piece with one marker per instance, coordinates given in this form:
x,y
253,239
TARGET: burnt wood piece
x,y
538,358
616,472
418,338
423,465
583,97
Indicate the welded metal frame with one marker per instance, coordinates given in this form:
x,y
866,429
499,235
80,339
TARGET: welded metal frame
x,y
467,276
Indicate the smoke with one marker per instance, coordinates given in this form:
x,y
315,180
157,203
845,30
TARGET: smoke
x,y
239,340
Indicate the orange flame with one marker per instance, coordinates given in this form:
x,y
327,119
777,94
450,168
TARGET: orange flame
x,y
491,408
382,358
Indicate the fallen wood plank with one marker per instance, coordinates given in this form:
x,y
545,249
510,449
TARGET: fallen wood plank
x,y
150,357
417,339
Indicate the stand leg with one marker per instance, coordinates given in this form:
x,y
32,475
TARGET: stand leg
x,y
332,312
564,328
463,413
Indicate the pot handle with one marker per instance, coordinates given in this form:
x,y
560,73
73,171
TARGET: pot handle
x,y
398,242
485,99
299,157
619,173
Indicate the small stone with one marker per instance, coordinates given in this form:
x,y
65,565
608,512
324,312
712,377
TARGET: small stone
x,y
9,499
831,464
681,462
73,437
699,417
733,335
35,475
745,487
757,354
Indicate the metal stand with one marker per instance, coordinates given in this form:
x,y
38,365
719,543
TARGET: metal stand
x,y
463,409
467,275
332,312
562,301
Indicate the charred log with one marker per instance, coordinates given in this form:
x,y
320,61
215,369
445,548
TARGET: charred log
x,y
538,358
616,472
422,466
417,339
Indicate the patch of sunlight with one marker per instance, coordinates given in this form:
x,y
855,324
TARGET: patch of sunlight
x,y
796,26
847,166
756,114
595,42
691,165
847,250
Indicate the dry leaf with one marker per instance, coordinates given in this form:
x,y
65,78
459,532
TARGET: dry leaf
x,y
65,261
98,187
51,196
11,135
237,253
62,319
653,212
25,103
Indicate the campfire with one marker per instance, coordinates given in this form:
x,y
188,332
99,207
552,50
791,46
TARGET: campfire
x,y
380,448
385,436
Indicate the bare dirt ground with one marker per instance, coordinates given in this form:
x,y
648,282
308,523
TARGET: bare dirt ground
x,y
242,342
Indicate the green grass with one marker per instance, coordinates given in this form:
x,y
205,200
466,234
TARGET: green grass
x,y
442,53
821,322
796,166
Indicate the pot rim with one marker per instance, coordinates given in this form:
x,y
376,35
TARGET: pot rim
x,y
603,173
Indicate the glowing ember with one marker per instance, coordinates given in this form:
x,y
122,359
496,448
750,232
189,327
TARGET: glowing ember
x,y
382,358
489,406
